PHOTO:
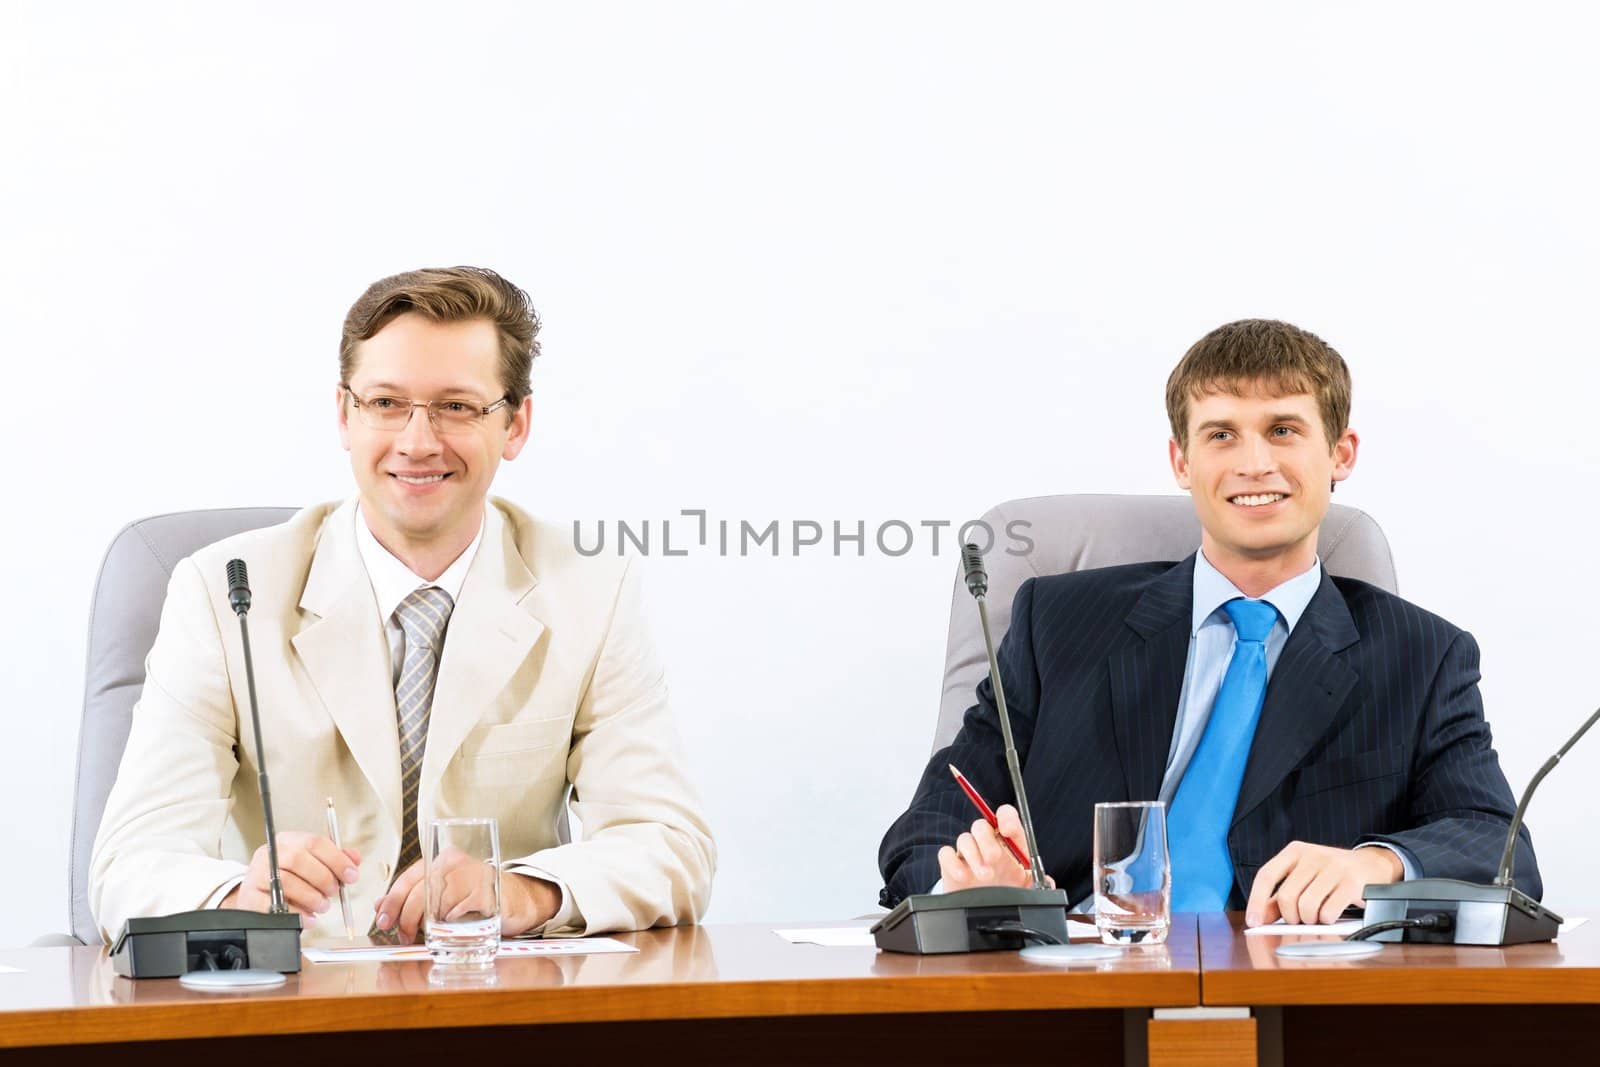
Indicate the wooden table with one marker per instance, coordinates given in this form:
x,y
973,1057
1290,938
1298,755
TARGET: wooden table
x,y
1411,1003
720,994
739,994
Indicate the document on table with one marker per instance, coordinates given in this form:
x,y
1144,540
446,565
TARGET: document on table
x,y
1350,926
861,936
10,970
571,946
830,936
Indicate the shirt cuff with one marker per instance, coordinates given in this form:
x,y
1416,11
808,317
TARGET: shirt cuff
x,y
1407,861
217,895
566,913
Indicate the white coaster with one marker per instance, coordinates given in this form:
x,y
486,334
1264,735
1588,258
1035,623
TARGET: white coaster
x,y
1081,952
1335,950
231,981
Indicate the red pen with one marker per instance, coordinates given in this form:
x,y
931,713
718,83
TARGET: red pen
x,y
988,814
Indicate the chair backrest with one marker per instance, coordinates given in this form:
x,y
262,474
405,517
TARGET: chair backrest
x,y
126,612
1079,532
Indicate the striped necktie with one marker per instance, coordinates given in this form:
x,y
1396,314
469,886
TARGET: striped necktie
x,y
423,617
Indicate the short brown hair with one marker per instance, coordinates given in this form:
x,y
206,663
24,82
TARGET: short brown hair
x,y
1283,359
450,294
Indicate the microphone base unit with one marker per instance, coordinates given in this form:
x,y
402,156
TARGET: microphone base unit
x,y
990,919
1482,914
221,940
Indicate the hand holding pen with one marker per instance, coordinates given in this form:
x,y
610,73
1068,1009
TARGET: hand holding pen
x,y
991,853
313,870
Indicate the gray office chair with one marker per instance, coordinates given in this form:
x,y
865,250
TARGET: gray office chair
x,y
1077,532
124,616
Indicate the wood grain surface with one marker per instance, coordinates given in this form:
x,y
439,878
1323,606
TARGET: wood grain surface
x,y
1202,1043
1241,969
71,996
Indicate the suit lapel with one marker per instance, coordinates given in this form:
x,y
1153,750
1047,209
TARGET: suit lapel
x,y
490,635
1147,679
342,648
1309,684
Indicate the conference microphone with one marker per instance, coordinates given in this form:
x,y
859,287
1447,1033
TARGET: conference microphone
x,y
239,600
978,585
223,947
238,588
976,577
991,917
1445,910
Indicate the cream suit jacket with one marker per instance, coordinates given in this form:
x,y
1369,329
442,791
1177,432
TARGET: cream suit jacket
x,y
548,676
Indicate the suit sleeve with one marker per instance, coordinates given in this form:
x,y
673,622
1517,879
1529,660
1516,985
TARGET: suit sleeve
x,y
1461,805
908,858
646,858
159,848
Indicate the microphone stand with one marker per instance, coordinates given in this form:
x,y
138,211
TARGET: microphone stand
x,y
991,917
275,887
1447,910
1035,861
1508,857
221,948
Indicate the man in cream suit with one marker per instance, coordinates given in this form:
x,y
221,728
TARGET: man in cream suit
x,y
420,651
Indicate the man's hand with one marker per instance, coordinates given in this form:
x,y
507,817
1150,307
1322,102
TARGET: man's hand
x,y
1314,883
981,858
464,886
311,869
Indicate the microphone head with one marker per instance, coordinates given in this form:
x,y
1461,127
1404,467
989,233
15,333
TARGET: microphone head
x,y
972,569
238,587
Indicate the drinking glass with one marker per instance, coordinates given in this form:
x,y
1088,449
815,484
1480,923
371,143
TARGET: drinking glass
x,y
462,872
1132,873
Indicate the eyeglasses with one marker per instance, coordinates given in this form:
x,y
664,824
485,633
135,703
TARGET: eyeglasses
x,y
447,416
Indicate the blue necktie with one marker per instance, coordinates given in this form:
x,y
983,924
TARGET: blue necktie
x,y
1202,809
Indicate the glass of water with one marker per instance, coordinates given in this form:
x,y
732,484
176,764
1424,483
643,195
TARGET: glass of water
x,y
462,872
1132,873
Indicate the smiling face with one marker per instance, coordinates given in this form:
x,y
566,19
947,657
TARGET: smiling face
x,y
423,493
1260,470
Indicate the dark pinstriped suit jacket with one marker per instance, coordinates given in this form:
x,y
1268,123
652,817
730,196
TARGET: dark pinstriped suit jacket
x,y
1372,730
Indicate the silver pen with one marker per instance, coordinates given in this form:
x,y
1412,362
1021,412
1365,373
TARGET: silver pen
x,y
344,890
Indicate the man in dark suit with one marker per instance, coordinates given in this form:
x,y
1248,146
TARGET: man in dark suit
x,y
1311,735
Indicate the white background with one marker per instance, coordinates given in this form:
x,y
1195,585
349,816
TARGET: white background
x,y
833,262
